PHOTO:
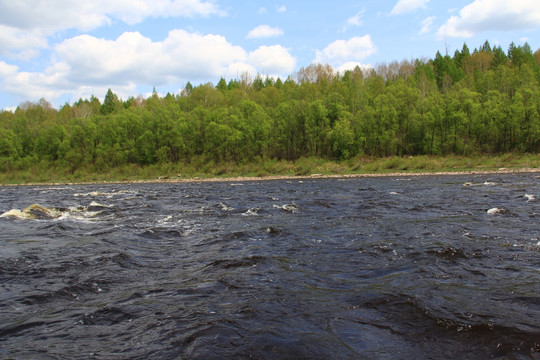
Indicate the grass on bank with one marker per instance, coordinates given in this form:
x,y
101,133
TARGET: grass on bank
x,y
261,168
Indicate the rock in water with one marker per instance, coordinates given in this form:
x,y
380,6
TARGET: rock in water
x,y
33,212
36,211
494,211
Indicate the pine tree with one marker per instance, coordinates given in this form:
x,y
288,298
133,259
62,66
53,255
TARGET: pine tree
x,y
110,103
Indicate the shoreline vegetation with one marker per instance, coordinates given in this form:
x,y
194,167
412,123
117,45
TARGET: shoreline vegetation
x,y
474,112
312,168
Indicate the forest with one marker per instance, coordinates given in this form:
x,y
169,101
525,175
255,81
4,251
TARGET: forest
x,y
484,101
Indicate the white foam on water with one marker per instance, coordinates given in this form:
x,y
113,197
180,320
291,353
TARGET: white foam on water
x,y
15,213
96,204
165,219
225,207
292,208
92,193
251,212
108,195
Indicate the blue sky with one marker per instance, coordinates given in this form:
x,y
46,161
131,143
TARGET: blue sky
x,y
62,50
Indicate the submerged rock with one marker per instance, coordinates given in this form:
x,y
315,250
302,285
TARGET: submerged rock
x,y
273,230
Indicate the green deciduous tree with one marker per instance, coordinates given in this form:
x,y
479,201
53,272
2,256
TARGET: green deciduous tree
x,y
486,101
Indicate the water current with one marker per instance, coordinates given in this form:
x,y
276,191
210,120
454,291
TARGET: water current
x,y
429,267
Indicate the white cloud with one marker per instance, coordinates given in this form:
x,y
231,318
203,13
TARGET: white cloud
x,y
407,6
272,60
133,57
33,86
282,9
52,16
264,31
485,15
426,24
86,65
454,28
343,51
351,65
235,70
356,20
262,10
20,44
7,70
27,24
87,15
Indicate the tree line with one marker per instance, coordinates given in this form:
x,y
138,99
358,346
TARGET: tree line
x,y
481,101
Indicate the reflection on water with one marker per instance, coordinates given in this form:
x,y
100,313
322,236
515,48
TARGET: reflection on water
x,y
419,267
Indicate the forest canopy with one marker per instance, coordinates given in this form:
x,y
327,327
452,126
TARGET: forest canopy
x,y
484,101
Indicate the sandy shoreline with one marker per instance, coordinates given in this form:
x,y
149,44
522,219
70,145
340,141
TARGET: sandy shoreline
x,y
168,180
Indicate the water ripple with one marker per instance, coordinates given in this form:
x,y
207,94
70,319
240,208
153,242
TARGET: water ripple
x,y
381,268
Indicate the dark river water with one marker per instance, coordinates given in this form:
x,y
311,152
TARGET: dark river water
x,y
429,267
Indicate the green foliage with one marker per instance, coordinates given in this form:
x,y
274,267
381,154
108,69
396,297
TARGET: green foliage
x,y
484,102
111,103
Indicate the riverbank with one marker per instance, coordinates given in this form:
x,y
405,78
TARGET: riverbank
x,y
279,170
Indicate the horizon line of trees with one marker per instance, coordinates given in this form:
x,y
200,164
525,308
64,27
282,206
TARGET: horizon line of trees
x,y
484,101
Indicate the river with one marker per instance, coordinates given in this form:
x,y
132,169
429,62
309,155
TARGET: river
x,y
427,267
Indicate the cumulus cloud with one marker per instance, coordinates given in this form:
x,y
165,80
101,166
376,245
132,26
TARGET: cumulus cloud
x,y
264,31
33,86
133,57
343,51
87,15
407,6
426,24
272,60
7,70
27,24
485,15
20,44
86,65
52,16
235,70
282,9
